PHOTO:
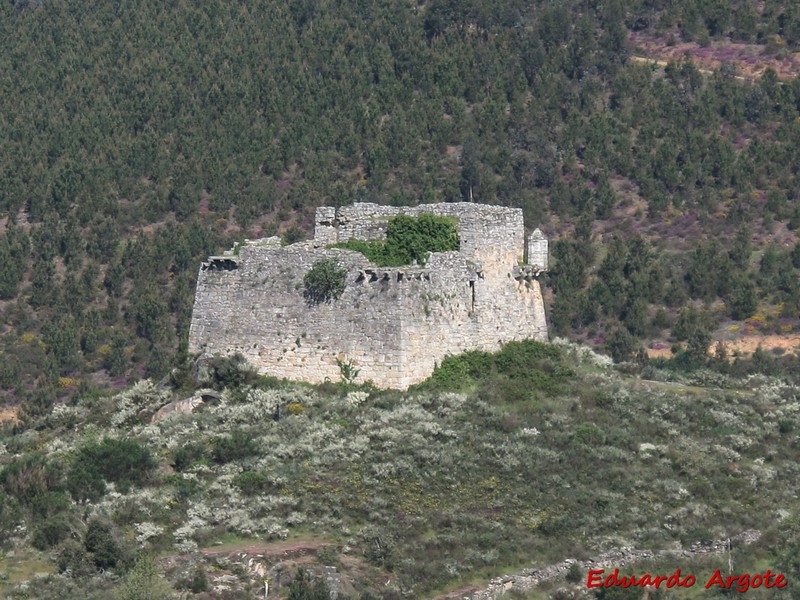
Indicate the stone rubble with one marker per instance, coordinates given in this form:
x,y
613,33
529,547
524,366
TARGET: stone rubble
x,y
528,579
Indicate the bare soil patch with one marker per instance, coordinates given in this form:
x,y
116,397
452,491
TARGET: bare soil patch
x,y
282,548
747,345
788,344
750,60
9,414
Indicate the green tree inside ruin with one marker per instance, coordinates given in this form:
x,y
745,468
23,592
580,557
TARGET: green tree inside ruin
x,y
325,281
409,239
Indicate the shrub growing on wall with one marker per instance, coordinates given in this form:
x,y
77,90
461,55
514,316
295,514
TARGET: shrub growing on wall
x,y
325,281
409,239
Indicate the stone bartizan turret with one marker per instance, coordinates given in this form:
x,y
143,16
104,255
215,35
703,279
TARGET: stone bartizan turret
x,y
393,324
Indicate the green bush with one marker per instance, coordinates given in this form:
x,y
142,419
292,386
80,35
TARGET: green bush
x,y
184,488
789,563
574,573
461,371
51,532
409,239
520,368
25,478
102,543
199,581
84,482
590,434
188,455
72,556
229,371
35,483
303,587
38,403
325,281
9,517
381,552
124,462
145,582
524,353
621,345
232,447
292,235
251,482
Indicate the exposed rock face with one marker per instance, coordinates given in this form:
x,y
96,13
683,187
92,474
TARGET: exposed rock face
x,y
393,324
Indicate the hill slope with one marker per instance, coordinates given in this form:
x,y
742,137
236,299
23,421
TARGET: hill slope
x,y
519,459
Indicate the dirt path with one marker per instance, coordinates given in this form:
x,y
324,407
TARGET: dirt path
x,y
282,548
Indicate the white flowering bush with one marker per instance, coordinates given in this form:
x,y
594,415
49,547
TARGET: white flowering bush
x,y
183,535
146,530
584,354
142,397
356,398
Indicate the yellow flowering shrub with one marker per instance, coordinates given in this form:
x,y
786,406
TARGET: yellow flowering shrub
x,y
67,382
295,408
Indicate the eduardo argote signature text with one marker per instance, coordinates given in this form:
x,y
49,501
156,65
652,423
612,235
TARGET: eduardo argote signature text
x,y
739,583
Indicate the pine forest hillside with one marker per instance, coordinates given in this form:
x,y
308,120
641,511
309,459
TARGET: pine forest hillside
x,y
138,139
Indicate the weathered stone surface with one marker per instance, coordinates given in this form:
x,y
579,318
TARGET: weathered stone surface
x,y
185,406
393,324
538,253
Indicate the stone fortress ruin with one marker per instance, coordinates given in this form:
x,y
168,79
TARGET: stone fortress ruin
x,y
393,324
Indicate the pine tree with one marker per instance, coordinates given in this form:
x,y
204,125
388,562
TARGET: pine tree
x,y
145,582
303,587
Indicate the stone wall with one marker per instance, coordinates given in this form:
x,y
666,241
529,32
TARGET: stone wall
x,y
529,579
394,324
486,232
538,254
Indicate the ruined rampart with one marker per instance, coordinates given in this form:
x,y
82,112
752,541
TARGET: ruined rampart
x,y
393,324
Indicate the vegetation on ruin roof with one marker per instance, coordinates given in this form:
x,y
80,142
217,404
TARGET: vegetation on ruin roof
x,y
409,239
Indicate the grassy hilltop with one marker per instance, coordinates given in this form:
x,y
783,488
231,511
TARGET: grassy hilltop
x,y
498,462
